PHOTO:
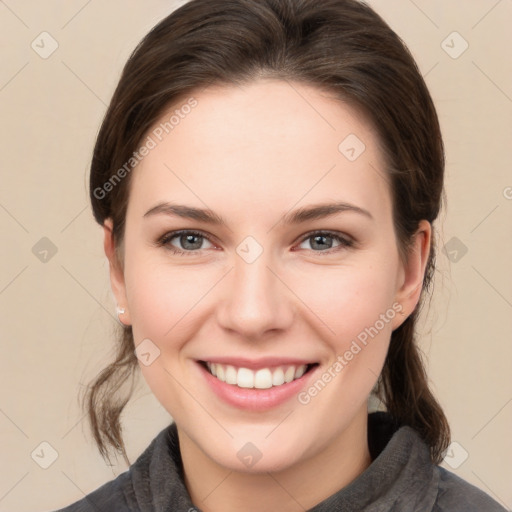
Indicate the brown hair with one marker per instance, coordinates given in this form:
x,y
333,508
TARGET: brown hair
x,y
341,46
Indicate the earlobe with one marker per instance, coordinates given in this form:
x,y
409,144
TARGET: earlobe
x,y
413,271
116,273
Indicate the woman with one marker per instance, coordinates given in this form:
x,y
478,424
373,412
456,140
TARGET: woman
x,y
267,177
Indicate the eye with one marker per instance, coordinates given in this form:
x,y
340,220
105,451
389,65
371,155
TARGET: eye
x,y
189,243
184,242
327,241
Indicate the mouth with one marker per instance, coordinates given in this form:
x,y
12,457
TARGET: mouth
x,y
257,378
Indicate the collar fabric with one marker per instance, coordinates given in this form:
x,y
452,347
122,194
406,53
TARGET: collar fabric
x,y
401,478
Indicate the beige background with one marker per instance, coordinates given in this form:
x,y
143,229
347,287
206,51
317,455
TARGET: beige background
x,y
56,315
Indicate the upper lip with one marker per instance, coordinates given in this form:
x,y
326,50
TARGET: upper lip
x,y
263,362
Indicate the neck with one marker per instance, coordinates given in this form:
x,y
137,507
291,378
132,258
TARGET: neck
x,y
214,488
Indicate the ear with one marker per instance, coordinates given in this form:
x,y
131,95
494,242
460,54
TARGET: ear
x,y
412,272
116,271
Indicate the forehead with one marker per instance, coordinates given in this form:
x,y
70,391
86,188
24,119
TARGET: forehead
x,y
263,142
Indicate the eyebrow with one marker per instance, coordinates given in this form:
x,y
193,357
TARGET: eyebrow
x,y
298,216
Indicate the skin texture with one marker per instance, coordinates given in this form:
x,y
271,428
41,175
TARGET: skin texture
x,y
252,154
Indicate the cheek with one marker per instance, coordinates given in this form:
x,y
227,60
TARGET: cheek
x,y
349,299
161,297
164,303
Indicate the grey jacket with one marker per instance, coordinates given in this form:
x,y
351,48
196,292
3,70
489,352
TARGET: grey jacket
x,y
401,478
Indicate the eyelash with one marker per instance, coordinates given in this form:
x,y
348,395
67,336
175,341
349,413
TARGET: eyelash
x,y
164,241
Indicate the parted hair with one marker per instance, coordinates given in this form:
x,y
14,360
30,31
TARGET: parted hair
x,y
340,46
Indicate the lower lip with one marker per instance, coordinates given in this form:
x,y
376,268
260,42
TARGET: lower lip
x,y
255,399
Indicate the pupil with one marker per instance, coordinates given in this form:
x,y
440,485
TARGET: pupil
x,y
186,239
322,243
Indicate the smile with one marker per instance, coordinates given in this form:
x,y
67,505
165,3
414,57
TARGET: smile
x,y
262,378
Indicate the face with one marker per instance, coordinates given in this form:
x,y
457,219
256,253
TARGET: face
x,y
233,264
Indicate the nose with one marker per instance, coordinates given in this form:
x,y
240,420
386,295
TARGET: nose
x,y
256,300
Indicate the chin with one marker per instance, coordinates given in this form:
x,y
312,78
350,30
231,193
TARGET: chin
x,y
252,460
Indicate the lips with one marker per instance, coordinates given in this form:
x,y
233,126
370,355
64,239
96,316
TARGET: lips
x,y
260,385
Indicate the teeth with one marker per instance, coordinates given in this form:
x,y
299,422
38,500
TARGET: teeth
x,y
278,377
245,378
299,372
213,368
220,373
263,378
289,374
231,374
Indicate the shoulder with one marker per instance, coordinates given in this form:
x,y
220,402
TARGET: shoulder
x,y
455,494
156,470
110,496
